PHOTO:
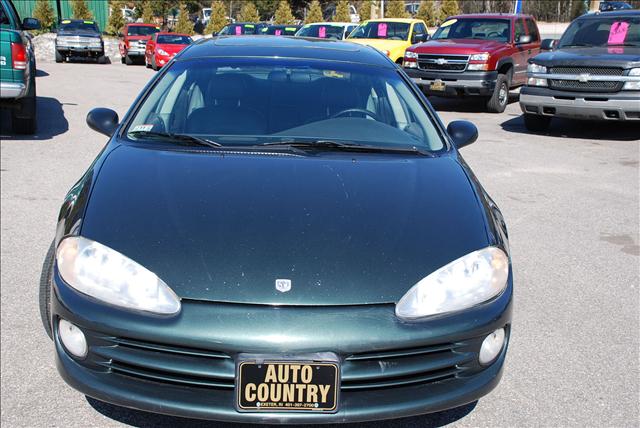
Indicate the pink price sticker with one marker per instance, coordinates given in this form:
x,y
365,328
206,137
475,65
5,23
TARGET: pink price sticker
x,y
238,30
278,32
382,29
322,32
618,33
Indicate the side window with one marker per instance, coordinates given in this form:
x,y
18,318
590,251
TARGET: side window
x,y
11,15
420,29
520,31
532,30
4,18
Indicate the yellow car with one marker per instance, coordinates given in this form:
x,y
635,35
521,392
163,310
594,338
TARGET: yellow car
x,y
391,36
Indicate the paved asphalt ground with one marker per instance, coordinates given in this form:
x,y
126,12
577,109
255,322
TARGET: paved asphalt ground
x,y
570,200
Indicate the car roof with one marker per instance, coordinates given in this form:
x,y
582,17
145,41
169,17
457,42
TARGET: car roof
x,y
168,33
286,47
491,15
341,24
69,21
614,13
403,20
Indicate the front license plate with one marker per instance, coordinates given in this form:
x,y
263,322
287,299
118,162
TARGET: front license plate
x,y
438,85
285,386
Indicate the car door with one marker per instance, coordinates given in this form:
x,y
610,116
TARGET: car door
x,y
520,55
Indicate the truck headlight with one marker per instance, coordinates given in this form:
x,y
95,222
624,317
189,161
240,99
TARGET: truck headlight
x,y
105,274
479,57
463,283
633,86
534,81
410,59
536,68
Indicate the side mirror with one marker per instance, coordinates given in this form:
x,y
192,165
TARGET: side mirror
x,y
548,44
462,133
417,38
426,37
30,24
103,120
524,39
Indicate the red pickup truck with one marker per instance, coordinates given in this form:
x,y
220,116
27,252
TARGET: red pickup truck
x,y
133,42
475,55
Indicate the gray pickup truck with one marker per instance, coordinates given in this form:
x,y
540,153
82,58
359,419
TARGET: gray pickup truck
x,y
592,74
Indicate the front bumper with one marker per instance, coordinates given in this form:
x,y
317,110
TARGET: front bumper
x,y
185,365
621,106
135,52
11,90
456,84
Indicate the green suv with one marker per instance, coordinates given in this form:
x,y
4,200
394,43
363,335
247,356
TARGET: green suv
x,y
17,68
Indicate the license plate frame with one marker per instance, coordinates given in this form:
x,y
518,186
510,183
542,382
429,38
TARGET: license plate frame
x,y
254,368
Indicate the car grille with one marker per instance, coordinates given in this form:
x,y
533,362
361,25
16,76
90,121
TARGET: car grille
x,y
596,71
592,86
194,367
447,63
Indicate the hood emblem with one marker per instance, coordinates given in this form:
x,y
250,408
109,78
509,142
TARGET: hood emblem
x,y
441,61
283,285
584,77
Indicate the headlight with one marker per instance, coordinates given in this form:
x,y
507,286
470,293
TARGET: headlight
x,y
411,54
98,271
633,86
536,68
463,283
162,52
478,67
479,57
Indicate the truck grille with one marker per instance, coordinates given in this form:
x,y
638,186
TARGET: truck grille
x,y
596,71
592,86
447,63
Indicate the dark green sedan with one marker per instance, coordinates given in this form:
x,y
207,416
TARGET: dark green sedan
x,y
280,230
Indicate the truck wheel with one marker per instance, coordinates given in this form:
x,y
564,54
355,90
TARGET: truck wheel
x,y
122,59
500,98
128,60
24,117
154,65
44,295
102,59
59,57
146,63
536,123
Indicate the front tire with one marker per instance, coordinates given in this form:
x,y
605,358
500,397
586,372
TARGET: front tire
x,y
24,117
536,123
44,295
500,97
128,60
154,65
59,57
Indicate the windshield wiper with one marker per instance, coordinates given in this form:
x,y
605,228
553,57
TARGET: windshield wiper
x,y
177,138
335,145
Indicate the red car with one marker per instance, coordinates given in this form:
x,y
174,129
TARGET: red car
x,y
133,42
481,55
163,47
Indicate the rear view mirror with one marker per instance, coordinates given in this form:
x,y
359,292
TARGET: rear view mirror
x,y
30,24
462,133
103,120
548,44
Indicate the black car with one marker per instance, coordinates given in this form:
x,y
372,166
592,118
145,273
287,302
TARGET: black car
x,y
280,30
593,73
242,29
79,38
280,230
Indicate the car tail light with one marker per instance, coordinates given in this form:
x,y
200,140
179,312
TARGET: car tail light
x,y
19,56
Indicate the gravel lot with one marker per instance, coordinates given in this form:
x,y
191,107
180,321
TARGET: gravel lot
x,y
570,200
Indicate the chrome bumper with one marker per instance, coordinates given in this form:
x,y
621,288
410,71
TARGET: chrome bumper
x,y
12,90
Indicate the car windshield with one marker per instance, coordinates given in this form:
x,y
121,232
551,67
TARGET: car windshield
x,y
79,25
322,31
381,30
139,30
239,29
170,39
279,31
250,101
484,29
602,31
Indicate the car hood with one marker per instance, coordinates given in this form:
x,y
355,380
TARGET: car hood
x,y
614,56
344,229
457,46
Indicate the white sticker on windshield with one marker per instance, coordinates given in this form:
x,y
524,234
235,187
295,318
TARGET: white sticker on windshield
x,y
143,128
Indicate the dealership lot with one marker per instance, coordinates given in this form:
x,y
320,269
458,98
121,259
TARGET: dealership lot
x,y
570,199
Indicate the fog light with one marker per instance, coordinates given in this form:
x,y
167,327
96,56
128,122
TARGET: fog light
x,y
491,346
73,339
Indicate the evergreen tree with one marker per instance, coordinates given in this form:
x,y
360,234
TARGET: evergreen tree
x,y
364,10
578,8
184,24
147,11
342,12
428,13
283,13
315,13
218,18
395,9
249,13
116,20
44,13
81,10
449,8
